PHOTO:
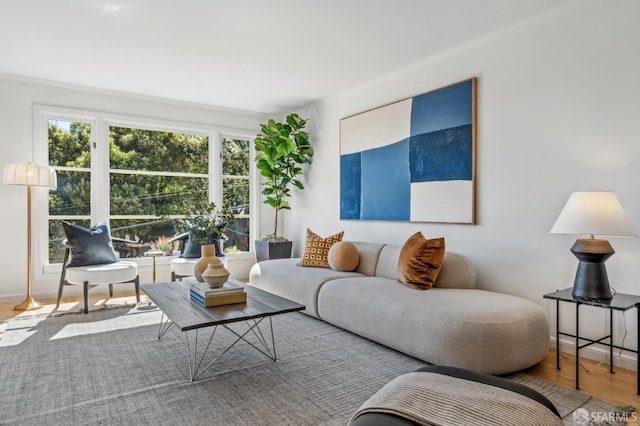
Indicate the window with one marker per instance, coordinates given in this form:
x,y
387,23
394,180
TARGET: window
x,y
236,192
149,173
138,174
69,146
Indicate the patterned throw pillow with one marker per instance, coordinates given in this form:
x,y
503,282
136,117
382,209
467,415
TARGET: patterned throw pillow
x,y
420,261
316,249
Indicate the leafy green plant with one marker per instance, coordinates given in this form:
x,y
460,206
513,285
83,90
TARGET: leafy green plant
x,y
164,244
283,147
207,220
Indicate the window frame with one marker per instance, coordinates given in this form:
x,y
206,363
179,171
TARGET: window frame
x,y
100,190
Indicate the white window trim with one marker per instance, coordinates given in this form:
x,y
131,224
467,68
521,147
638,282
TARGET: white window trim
x,y
100,123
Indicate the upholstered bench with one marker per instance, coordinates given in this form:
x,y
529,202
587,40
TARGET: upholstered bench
x,y
454,396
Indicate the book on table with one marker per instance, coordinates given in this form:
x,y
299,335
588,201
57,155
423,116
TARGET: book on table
x,y
219,299
204,290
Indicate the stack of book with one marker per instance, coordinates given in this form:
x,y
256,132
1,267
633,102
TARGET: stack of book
x,y
207,296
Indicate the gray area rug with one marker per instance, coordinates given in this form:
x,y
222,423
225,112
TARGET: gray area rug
x,y
108,368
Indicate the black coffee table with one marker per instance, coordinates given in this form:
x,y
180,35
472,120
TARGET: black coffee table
x,y
173,299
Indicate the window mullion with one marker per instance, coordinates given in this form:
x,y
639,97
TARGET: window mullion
x,y
215,168
100,197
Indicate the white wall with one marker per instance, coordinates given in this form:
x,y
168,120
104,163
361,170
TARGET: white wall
x,y
558,111
16,145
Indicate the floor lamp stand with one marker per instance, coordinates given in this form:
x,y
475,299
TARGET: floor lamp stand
x,y
29,303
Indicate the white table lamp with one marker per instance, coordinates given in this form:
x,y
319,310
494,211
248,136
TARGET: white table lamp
x,y
592,213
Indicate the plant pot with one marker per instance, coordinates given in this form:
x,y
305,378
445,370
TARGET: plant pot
x,y
266,250
192,249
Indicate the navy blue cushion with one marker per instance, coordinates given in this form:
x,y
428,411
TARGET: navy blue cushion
x,y
90,246
191,248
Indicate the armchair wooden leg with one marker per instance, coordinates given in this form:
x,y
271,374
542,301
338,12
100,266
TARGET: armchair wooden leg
x,y
110,290
137,284
60,291
63,275
86,297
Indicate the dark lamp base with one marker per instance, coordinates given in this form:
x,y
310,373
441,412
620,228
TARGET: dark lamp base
x,y
592,282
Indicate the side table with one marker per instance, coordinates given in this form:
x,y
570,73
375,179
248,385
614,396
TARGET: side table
x,y
153,254
619,302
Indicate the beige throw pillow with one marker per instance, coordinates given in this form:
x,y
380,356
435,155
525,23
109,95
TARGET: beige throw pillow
x,y
420,261
316,249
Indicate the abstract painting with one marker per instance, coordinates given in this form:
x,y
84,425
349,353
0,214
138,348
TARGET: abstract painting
x,y
412,160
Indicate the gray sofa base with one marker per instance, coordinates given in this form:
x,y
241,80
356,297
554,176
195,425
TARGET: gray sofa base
x,y
478,330
452,324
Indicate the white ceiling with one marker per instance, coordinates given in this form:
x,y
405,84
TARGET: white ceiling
x,y
257,55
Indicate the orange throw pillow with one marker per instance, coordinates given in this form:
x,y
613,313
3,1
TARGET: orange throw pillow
x,y
316,249
343,256
420,261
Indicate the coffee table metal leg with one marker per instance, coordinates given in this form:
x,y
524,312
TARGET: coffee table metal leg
x,y
165,326
270,351
195,360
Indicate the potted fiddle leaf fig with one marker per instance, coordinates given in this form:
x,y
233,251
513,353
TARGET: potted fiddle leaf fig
x,y
282,147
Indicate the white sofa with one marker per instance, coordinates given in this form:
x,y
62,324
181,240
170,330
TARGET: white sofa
x,y
452,324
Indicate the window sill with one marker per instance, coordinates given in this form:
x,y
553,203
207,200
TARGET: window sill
x,y
56,268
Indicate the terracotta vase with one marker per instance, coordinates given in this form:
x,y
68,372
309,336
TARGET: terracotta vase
x,y
207,255
216,274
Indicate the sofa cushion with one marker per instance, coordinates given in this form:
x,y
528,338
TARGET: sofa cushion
x,y
369,254
456,272
343,256
302,285
420,261
464,328
316,249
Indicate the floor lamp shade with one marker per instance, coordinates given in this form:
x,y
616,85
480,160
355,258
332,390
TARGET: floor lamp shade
x,y
592,213
29,175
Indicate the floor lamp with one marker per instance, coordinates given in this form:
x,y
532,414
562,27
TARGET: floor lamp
x,y
29,175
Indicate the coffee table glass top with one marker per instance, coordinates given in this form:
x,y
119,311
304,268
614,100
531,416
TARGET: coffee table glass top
x,y
174,301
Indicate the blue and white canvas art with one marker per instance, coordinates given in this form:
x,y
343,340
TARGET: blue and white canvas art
x,y
412,160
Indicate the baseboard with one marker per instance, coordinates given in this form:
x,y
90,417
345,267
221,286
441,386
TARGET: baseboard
x,y
626,359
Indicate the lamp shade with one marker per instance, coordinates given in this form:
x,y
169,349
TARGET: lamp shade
x,y
29,174
593,213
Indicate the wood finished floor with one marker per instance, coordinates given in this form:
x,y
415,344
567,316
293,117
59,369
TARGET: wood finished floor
x,y
595,379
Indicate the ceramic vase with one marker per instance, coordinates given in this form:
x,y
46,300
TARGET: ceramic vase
x,y
207,255
216,274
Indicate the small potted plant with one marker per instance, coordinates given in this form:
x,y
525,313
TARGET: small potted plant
x,y
203,222
282,147
163,244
